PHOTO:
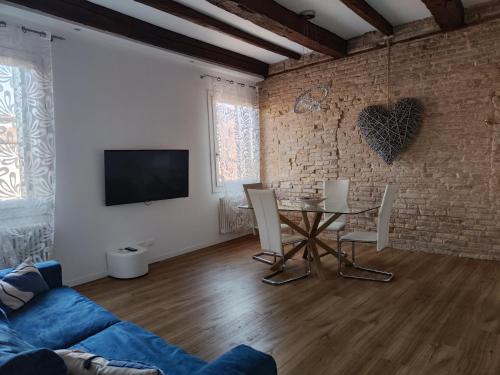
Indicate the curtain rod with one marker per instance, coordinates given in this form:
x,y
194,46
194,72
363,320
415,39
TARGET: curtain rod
x,y
228,80
43,34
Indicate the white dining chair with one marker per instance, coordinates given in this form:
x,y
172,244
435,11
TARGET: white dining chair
x,y
336,192
380,238
260,256
272,239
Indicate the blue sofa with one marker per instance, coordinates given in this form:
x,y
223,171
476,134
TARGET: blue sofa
x,y
63,318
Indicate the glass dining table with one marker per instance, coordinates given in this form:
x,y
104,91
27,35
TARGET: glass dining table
x,y
312,229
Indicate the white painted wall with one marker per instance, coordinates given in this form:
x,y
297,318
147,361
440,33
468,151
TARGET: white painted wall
x,y
113,93
111,96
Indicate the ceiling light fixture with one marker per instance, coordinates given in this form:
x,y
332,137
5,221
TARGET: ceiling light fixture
x,y
308,14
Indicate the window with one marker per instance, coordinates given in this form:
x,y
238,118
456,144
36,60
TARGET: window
x,y
26,134
235,141
27,147
10,158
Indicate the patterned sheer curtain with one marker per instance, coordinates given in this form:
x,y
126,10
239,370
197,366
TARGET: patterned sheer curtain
x,y
237,150
27,148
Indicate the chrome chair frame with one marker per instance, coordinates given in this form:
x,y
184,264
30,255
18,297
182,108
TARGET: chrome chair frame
x,y
381,241
260,257
389,275
268,279
272,240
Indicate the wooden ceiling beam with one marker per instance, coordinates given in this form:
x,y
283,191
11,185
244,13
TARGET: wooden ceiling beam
x,y
370,15
282,21
104,19
192,15
448,14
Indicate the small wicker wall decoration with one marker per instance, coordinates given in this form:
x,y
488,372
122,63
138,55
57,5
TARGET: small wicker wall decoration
x,y
310,100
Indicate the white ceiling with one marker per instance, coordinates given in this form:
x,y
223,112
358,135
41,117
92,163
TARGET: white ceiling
x,y
181,26
400,12
72,31
332,15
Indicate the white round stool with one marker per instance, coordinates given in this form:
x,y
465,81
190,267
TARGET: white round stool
x,y
124,264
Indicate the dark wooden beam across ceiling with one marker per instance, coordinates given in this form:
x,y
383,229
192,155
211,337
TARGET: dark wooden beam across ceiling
x,y
104,19
282,21
192,15
370,15
448,14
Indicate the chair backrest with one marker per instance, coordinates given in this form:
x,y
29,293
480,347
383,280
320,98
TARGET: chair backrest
x,y
337,192
384,215
246,187
268,220
256,186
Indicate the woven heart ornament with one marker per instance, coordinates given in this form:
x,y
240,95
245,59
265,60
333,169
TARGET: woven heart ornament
x,y
389,132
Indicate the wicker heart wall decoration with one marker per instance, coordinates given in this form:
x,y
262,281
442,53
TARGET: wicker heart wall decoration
x,y
389,132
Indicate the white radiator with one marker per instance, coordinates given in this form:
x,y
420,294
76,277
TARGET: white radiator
x,y
27,241
231,218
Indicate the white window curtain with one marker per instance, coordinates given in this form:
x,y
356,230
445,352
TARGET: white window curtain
x,y
237,150
27,148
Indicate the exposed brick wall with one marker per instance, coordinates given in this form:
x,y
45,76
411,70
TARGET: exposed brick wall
x,y
449,177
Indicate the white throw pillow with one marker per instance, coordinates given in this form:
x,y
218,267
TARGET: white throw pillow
x,y
83,363
20,285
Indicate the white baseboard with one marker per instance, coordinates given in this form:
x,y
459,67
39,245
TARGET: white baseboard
x,y
185,250
85,279
170,254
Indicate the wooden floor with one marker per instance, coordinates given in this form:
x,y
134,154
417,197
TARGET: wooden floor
x,y
440,315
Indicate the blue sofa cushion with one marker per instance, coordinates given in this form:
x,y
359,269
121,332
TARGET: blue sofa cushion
x,y
10,342
125,341
34,362
19,286
21,358
3,317
60,318
240,361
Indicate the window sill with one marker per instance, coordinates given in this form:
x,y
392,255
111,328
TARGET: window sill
x,y
16,203
22,210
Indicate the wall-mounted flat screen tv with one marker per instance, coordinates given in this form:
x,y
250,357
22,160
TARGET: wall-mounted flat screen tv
x,y
133,176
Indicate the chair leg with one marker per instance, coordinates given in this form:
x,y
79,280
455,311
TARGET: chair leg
x,y
260,257
268,279
389,275
344,254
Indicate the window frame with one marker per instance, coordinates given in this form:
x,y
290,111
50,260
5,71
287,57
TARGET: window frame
x,y
217,186
212,136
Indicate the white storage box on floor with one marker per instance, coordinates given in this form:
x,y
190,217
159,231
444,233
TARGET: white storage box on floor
x,y
125,264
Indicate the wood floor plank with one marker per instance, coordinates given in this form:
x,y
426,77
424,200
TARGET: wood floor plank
x,y
438,316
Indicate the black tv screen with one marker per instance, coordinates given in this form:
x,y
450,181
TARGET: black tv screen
x,y
145,175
